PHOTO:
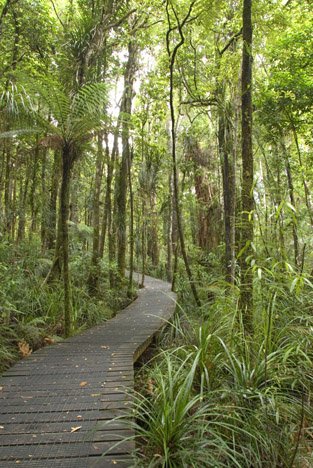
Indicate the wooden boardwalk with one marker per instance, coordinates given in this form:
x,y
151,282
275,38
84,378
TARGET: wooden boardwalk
x,y
58,406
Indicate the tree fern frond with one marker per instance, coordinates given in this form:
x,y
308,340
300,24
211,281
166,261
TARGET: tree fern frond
x,y
90,100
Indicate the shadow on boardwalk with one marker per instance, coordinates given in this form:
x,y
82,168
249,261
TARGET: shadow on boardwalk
x,y
57,407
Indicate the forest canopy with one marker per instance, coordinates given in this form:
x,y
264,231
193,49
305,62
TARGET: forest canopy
x,y
172,138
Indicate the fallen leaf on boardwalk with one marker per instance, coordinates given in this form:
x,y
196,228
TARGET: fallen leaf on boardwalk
x,y
75,429
83,384
105,347
48,340
79,416
1,427
24,348
1,388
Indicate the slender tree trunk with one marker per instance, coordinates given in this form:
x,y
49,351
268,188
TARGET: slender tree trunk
x,y
247,201
32,195
131,229
22,206
307,194
293,203
44,201
227,163
94,270
153,247
75,188
64,214
52,206
169,272
143,241
280,221
126,108
110,161
172,58
8,193
121,213
14,210
175,237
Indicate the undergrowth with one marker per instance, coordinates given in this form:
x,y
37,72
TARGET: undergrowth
x,y
213,397
31,311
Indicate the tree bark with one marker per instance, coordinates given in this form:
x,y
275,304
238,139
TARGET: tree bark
x,y
172,57
94,267
228,174
67,163
110,161
247,201
52,206
293,203
169,271
131,229
23,202
32,195
126,108
44,202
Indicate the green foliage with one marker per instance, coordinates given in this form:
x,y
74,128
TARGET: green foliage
x,y
30,308
213,392
70,117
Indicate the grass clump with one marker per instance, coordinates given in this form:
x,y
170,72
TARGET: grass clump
x,y
213,397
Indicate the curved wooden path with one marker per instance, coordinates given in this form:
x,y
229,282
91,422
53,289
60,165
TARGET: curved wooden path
x,y
58,406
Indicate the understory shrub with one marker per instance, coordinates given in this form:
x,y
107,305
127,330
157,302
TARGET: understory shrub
x,y
31,310
213,397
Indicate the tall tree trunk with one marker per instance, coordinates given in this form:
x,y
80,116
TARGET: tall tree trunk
x,y
293,203
52,206
110,161
75,189
153,247
44,201
67,163
172,57
14,210
228,171
8,150
22,206
247,201
131,229
143,240
24,182
122,176
307,194
8,192
169,225
32,195
94,269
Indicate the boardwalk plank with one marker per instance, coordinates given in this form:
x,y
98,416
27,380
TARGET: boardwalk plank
x,y
83,382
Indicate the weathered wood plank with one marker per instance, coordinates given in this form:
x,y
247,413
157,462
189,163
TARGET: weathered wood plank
x,y
65,405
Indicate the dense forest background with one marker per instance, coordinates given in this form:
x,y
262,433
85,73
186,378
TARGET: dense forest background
x,y
172,138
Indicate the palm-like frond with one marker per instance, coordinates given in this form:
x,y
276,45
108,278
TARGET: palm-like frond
x,y
87,109
42,105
